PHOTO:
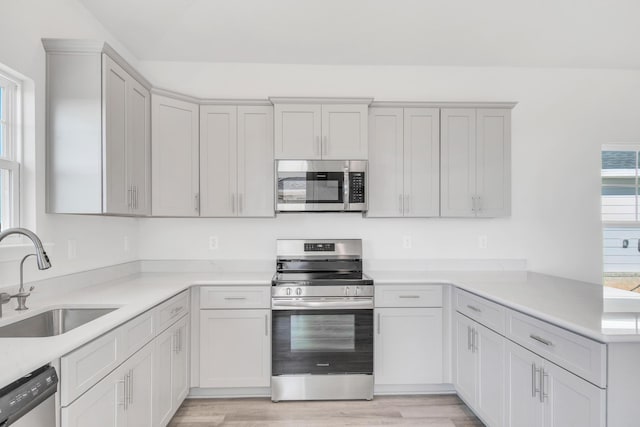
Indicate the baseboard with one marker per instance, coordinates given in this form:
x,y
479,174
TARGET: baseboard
x,y
378,390
204,393
397,389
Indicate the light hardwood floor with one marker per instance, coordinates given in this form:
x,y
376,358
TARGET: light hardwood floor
x,y
431,411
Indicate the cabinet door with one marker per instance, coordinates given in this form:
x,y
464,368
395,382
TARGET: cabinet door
x,y
175,157
493,185
523,406
218,160
139,147
235,348
255,162
344,132
421,162
140,369
464,360
386,136
457,162
180,363
117,191
491,376
162,387
571,401
408,346
101,406
297,131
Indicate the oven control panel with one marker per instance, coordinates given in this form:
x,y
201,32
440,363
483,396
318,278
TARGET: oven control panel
x,y
294,291
319,247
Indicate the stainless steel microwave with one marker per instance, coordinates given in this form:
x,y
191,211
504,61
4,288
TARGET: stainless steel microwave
x,y
321,185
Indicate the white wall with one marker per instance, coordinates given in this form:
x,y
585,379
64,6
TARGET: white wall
x,y
99,240
562,118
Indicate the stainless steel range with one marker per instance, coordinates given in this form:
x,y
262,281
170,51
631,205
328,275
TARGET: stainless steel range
x,y
322,306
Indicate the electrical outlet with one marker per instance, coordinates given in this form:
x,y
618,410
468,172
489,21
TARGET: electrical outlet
x,y
125,244
72,249
406,242
482,241
213,243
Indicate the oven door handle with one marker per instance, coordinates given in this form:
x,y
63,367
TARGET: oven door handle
x,y
321,304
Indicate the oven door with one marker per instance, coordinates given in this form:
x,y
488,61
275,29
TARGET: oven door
x,y
311,191
321,341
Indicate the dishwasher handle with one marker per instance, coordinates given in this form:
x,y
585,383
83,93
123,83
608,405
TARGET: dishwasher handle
x,y
23,395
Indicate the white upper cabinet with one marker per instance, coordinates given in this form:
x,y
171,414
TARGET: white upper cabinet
x,y
475,162
218,160
404,162
236,161
175,157
321,128
98,131
298,131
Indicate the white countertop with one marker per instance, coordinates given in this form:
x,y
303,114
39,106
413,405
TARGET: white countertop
x,y
134,295
588,309
601,313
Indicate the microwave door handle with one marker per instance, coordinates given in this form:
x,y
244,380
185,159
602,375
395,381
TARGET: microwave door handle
x,y
346,188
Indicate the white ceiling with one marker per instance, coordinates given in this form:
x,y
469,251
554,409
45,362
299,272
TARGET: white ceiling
x,y
538,33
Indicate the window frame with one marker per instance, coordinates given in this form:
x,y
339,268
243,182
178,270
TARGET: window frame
x,y
632,147
12,142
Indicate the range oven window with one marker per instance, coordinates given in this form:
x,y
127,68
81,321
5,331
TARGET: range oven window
x,y
335,341
323,332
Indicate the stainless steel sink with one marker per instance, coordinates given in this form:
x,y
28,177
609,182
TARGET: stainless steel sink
x,y
52,322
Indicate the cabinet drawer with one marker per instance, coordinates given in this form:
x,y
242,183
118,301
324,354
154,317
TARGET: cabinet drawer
x,y
171,310
136,333
235,297
408,296
582,356
84,367
481,310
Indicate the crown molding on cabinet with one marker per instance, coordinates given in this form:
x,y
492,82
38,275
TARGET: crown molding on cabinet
x,y
209,101
75,46
319,100
414,104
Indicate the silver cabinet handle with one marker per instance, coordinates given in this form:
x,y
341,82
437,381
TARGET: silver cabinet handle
x,y
240,203
543,377
479,203
124,402
131,386
174,341
318,148
534,380
322,365
196,202
400,206
409,296
468,337
266,325
325,145
235,298
233,203
378,323
176,310
541,340
473,340
179,340
130,197
476,309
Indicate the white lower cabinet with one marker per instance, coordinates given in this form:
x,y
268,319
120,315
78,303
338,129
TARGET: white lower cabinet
x,y
123,398
171,371
540,393
408,346
479,369
235,348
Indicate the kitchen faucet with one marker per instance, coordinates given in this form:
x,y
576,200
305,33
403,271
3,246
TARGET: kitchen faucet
x,y
41,258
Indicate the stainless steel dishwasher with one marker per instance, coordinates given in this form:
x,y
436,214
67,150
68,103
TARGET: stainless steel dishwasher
x,y
29,401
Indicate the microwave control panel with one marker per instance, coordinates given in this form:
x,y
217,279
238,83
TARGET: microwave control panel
x,y
356,187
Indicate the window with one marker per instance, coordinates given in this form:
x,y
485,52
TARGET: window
x,y
9,152
620,184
